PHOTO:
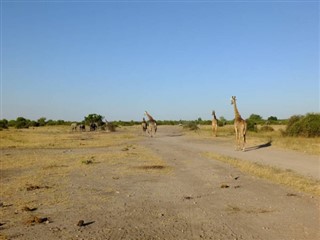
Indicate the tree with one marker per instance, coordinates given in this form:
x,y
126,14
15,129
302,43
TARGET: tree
x,y
42,121
22,123
256,118
4,124
272,118
222,121
94,118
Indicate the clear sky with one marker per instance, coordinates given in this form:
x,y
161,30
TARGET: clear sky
x,y
175,59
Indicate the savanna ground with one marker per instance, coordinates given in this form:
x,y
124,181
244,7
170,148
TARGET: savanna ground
x,y
58,184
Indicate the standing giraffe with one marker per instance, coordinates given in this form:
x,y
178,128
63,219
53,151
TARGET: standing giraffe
x,y
240,126
214,123
152,126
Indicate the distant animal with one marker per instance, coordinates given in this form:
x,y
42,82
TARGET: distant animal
x,y
74,127
82,127
93,126
214,123
144,125
152,125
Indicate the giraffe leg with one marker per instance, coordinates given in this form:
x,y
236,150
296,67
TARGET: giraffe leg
x,y
237,140
244,143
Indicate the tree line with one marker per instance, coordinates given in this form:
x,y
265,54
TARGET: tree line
x,y
297,125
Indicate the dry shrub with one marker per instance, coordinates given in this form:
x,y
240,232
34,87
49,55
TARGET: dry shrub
x,y
266,128
192,125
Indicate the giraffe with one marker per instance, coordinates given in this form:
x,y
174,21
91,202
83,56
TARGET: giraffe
x,y
144,125
152,126
214,123
240,126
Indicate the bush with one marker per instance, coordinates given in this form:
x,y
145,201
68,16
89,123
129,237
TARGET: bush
x,y
4,124
305,126
266,128
33,124
22,123
251,125
192,125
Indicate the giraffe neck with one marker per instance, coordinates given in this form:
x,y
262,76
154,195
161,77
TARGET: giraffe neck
x,y
214,116
236,112
150,117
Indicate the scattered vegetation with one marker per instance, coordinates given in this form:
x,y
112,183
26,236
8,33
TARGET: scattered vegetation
x,y
297,125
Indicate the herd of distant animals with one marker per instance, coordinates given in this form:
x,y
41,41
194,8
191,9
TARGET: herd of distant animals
x,y
150,127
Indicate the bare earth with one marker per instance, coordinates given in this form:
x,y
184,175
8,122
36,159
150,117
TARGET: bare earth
x,y
187,197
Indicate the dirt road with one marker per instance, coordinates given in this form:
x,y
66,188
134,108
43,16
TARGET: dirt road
x,y
189,197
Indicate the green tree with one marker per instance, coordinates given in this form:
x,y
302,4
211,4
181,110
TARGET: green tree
x,y
42,121
4,124
256,118
22,123
272,118
222,121
94,118
33,124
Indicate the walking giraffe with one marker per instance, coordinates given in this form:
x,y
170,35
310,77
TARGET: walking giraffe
x,y
240,126
152,125
214,123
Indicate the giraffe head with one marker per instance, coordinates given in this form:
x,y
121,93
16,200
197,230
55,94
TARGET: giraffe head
x,y
145,113
233,100
213,113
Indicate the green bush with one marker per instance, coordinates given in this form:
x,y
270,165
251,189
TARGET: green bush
x,y
22,123
4,124
251,125
305,126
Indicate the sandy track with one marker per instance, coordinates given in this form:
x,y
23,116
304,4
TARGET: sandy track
x,y
183,200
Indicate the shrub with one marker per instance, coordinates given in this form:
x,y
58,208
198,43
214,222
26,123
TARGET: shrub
x,y
22,123
191,125
33,124
305,126
266,128
4,124
251,125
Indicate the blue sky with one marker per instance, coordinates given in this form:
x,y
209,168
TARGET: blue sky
x,y
175,59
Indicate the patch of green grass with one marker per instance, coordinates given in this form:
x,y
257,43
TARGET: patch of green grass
x,y
273,174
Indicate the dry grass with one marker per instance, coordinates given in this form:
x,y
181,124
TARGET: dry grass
x,y
38,166
300,144
61,137
273,174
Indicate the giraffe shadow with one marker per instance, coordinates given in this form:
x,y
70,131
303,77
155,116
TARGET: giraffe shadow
x,y
264,145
